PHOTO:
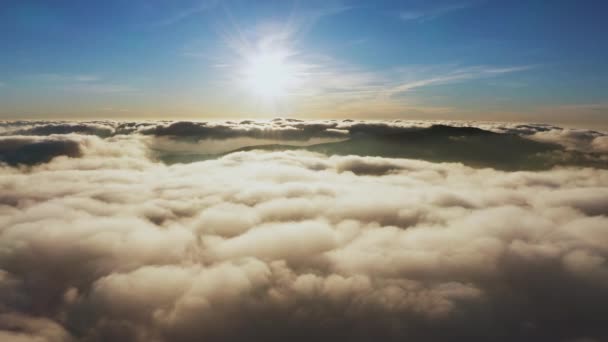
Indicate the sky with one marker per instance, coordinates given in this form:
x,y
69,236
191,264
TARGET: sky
x,y
535,61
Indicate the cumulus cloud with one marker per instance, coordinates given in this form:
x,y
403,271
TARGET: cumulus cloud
x,y
495,145
19,328
66,128
112,244
575,139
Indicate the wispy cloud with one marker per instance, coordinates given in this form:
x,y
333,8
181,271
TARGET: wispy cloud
x,y
434,10
324,82
53,77
453,76
185,13
88,83
321,79
329,76
100,88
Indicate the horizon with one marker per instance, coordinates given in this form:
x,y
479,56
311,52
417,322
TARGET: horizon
x,y
449,122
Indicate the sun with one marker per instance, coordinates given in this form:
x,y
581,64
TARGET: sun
x,y
268,74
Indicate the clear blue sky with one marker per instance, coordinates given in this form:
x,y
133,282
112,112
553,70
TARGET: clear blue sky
x,y
530,60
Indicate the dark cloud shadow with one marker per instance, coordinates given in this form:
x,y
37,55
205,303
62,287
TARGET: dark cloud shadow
x,y
24,151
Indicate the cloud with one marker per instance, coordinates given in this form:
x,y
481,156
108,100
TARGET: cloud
x,y
101,88
20,328
88,83
293,131
29,151
500,146
423,12
183,14
102,130
351,89
455,75
63,78
114,245
575,139
326,76
320,81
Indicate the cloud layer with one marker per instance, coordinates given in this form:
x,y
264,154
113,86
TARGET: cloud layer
x,y
110,244
495,145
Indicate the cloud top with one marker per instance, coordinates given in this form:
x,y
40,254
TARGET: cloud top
x,y
499,146
113,244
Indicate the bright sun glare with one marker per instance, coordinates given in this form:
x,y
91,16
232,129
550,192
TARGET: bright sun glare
x,y
268,74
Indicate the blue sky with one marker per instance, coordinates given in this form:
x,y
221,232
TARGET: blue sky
x,y
542,61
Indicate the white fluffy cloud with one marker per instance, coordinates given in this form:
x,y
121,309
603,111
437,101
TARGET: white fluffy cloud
x,y
114,245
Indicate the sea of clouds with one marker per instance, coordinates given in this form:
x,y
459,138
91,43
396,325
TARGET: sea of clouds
x,y
100,240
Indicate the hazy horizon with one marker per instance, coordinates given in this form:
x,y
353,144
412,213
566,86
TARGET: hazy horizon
x,y
595,126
